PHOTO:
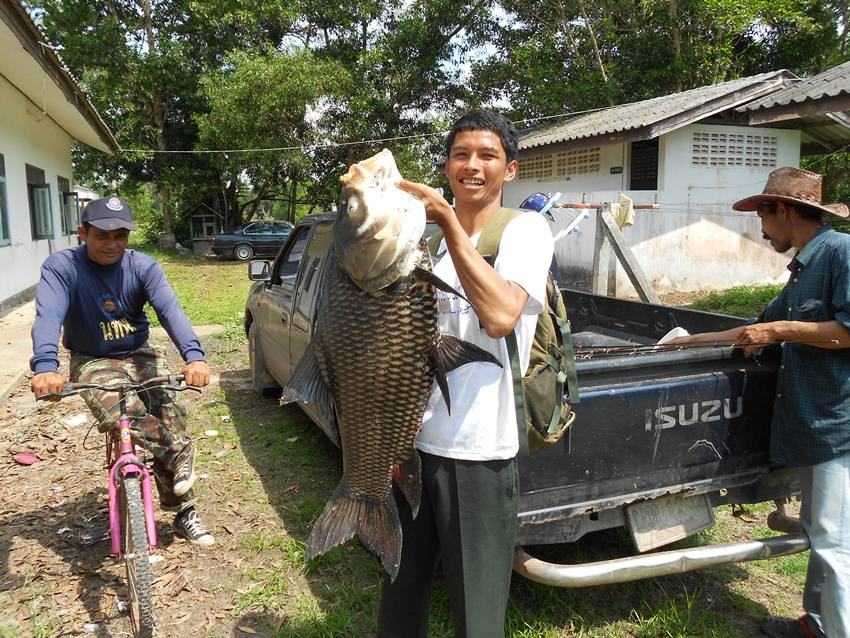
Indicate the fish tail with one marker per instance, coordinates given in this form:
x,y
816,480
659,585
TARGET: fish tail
x,y
376,524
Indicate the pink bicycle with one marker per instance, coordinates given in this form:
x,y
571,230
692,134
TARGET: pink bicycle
x,y
132,527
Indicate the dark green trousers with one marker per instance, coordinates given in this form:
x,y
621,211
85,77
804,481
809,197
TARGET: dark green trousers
x,y
467,519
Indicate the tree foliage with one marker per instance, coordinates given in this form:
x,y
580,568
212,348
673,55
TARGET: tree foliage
x,y
567,55
263,99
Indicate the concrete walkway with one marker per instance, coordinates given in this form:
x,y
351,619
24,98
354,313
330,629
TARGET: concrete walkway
x,y
16,345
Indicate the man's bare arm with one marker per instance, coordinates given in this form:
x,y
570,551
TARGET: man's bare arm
x,y
498,303
829,335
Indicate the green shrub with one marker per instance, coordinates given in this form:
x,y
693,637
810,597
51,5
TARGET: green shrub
x,y
740,301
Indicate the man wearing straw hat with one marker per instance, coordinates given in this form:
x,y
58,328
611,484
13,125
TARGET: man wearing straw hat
x,y
810,318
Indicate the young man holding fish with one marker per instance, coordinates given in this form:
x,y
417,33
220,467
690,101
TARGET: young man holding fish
x,y
470,484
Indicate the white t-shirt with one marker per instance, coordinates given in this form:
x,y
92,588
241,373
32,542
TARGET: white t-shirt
x,y
482,424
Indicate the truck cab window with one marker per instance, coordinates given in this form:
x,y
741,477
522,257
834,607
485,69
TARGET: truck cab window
x,y
287,265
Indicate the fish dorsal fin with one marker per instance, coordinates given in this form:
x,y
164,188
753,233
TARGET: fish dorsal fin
x,y
426,276
450,353
308,386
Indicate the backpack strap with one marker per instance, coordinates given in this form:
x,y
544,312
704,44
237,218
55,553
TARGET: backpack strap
x,y
571,377
519,394
488,248
434,242
491,236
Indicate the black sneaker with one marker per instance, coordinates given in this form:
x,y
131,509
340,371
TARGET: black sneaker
x,y
188,525
802,627
184,472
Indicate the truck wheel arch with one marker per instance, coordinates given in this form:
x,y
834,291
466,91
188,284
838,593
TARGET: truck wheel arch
x,y
261,380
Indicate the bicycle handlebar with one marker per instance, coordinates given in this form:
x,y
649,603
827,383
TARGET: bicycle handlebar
x,y
168,383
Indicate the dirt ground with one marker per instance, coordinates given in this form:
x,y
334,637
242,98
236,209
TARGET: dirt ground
x,y
259,491
56,575
680,299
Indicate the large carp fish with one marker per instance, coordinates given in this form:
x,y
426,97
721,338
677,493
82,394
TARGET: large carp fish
x,y
375,352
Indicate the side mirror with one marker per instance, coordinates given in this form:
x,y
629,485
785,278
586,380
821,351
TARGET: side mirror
x,y
259,270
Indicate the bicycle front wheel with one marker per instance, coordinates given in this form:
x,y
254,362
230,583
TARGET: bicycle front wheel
x,y
136,555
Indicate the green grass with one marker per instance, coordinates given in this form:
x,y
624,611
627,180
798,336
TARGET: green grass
x,y
210,290
268,594
741,301
682,618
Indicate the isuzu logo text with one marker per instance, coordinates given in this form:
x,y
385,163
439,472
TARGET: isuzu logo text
x,y
691,413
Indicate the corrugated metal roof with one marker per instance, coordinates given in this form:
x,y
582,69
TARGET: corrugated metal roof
x,y
34,42
831,83
654,113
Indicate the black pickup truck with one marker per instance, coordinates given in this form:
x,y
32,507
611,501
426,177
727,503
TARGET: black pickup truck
x,y
660,438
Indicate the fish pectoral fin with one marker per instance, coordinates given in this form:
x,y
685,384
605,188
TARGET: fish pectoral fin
x,y
426,276
376,524
442,382
408,477
308,386
451,353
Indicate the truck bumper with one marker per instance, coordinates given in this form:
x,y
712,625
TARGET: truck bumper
x,y
678,561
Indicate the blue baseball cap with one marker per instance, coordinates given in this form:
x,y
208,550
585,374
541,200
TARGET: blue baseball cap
x,y
109,213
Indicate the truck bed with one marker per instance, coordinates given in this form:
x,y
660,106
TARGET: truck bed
x,y
649,424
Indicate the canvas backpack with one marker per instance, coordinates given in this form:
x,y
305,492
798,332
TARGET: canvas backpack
x,y
544,394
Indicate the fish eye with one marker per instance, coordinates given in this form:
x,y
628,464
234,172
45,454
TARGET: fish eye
x,y
353,204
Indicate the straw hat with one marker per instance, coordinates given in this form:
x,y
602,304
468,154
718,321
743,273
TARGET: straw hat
x,y
796,186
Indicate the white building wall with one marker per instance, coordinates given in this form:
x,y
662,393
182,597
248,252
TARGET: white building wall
x,y
28,136
693,240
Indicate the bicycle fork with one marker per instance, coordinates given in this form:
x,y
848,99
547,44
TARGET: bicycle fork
x,y
126,464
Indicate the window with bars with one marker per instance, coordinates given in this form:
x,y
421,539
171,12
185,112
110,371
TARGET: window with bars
x,y
734,149
41,209
564,164
643,166
5,235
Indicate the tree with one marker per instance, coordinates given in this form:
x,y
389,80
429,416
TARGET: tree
x,y
554,56
140,61
263,99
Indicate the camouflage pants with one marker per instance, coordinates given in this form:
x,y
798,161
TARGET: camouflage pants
x,y
158,421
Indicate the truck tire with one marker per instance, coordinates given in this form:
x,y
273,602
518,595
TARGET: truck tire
x,y
243,252
261,380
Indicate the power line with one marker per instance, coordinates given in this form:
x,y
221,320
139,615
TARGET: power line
x,y
304,147
308,147
826,157
316,146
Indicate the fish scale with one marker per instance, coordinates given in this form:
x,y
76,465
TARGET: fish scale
x,y
386,360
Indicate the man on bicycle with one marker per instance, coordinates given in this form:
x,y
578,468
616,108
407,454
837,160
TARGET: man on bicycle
x,y
96,293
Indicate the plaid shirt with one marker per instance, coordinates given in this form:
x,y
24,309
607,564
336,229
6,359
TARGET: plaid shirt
x,y
811,413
